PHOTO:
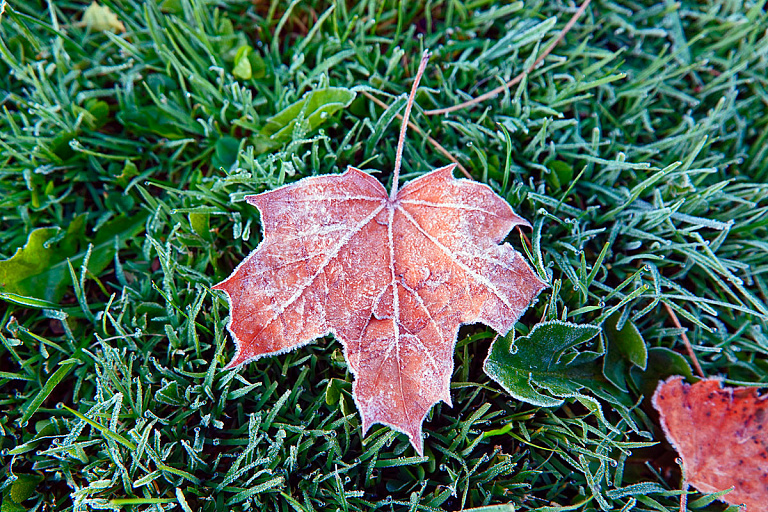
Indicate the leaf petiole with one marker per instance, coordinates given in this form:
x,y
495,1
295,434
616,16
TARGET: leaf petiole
x,y
401,140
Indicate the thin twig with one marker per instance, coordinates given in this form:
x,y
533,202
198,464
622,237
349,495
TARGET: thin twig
x,y
418,130
518,78
687,343
684,495
404,126
684,498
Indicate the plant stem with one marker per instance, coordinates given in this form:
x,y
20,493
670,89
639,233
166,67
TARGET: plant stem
x,y
687,343
518,78
432,141
404,126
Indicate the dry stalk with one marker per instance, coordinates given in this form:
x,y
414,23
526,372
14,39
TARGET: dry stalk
x,y
518,78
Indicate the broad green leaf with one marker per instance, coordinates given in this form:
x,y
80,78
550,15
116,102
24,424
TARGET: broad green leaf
x,y
258,66
171,6
225,152
9,505
94,115
560,174
315,106
26,272
40,268
625,348
169,394
24,486
60,145
44,428
242,67
662,363
544,369
201,225
333,392
545,359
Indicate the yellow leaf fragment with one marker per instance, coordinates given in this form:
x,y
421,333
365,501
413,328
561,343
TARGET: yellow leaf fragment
x,y
99,18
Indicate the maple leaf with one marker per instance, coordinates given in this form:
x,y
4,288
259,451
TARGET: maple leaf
x,y
391,276
721,436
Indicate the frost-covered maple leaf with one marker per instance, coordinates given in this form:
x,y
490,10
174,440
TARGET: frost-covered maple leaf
x,y
391,276
721,434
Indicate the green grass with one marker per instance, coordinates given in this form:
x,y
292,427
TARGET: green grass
x,y
637,150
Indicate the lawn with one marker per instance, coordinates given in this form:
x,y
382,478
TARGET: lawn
x,y
131,136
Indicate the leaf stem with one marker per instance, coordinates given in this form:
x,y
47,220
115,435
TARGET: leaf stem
x,y
404,126
432,141
687,343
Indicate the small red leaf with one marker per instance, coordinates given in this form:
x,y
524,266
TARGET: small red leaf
x,y
721,434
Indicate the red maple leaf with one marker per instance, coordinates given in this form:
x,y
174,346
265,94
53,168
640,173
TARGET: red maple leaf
x,y
391,276
721,434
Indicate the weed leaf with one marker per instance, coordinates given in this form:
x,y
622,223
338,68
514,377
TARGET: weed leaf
x,y
545,359
315,106
625,348
40,268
